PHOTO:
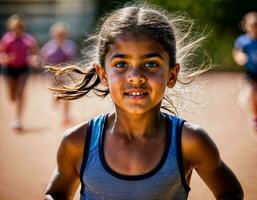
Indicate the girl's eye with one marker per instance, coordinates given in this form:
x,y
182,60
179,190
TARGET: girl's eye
x,y
121,65
151,65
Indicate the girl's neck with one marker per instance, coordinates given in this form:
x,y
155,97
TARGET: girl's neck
x,y
252,36
136,126
17,34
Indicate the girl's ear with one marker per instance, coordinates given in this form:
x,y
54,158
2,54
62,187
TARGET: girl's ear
x,y
101,73
173,75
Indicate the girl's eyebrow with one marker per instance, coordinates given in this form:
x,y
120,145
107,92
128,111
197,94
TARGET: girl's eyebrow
x,y
148,55
118,55
154,54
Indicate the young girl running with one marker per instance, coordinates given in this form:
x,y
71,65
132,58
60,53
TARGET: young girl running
x,y
136,152
245,53
16,51
57,51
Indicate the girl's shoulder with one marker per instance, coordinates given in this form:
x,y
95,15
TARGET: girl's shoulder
x,y
74,138
192,131
50,42
70,42
29,38
196,144
193,134
71,148
242,41
7,37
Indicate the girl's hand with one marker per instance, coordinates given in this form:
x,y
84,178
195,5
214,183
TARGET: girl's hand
x,y
6,58
35,61
240,57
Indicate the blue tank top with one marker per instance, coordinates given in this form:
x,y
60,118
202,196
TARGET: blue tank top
x,y
165,182
249,47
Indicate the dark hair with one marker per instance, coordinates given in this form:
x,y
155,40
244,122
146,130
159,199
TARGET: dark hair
x,y
134,19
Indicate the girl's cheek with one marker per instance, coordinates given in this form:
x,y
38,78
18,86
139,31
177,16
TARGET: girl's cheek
x,y
115,81
115,76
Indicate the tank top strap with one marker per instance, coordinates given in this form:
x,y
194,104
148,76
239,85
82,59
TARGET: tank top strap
x,y
95,127
175,126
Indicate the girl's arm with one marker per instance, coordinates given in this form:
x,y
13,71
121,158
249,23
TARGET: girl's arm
x,y
202,154
5,58
34,58
65,179
239,57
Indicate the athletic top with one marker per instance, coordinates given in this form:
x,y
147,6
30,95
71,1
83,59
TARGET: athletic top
x,y
55,54
17,47
249,47
165,181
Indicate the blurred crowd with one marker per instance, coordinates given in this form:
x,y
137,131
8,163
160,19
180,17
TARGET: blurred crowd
x,y
20,54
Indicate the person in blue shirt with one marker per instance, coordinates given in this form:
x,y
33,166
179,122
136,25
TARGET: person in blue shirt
x,y
245,54
137,152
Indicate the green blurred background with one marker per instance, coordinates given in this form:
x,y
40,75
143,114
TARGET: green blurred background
x,y
220,18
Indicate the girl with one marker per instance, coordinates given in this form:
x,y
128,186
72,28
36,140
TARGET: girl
x,y
136,152
245,53
17,49
58,50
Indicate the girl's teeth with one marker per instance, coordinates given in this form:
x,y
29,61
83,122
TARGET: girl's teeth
x,y
136,93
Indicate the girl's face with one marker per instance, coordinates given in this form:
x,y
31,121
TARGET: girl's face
x,y
17,27
60,34
251,25
137,72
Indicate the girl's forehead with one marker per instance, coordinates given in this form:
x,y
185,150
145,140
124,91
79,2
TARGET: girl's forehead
x,y
251,18
136,42
137,35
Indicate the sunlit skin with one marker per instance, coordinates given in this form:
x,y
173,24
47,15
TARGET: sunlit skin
x,y
137,72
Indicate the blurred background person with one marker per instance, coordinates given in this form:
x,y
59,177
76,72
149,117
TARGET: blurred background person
x,y
18,52
58,51
245,54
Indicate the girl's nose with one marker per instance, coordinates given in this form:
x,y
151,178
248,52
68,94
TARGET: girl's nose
x,y
136,76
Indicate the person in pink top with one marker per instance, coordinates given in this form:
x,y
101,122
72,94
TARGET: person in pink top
x,y
16,50
57,51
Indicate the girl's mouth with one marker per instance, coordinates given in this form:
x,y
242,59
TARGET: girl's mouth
x,y
136,94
